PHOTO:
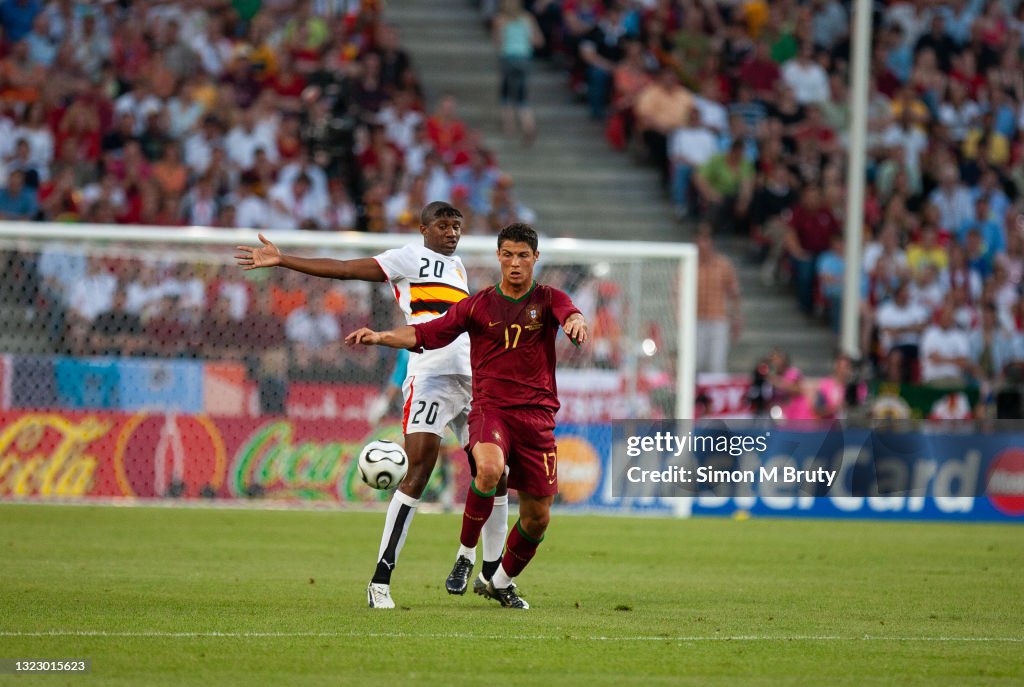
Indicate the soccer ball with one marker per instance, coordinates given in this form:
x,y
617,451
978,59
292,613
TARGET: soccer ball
x,y
383,464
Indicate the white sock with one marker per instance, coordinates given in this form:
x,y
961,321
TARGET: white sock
x,y
467,552
496,529
400,512
501,578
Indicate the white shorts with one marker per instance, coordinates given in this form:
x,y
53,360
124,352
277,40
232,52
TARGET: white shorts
x,y
433,401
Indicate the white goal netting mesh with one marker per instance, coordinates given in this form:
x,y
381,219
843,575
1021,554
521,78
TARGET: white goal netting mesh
x,y
155,369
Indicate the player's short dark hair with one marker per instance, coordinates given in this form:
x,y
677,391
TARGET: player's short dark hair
x,y
519,233
437,210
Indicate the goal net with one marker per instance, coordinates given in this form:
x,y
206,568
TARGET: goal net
x,y
142,362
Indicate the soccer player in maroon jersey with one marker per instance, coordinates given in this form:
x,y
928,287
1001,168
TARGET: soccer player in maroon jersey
x,y
512,328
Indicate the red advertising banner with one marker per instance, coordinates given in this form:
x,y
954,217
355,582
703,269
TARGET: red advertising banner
x,y
76,454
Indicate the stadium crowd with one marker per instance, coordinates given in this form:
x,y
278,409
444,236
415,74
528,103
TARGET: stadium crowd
x,y
226,113
743,106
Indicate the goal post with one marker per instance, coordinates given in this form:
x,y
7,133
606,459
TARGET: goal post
x,y
639,297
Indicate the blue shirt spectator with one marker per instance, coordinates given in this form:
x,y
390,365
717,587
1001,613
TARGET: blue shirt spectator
x,y
477,178
980,257
900,60
989,189
17,17
42,49
991,233
17,201
958,24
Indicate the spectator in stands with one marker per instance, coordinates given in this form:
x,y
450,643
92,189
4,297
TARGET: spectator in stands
x,y
314,335
689,148
753,112
516,35
726,186
953,200
478,179
21,80
772,200
295,206
17,17
831,268
505,208
960,274
219,337
990,189
33,173
248,136
786,383
59,198
630,77
143,290
945,352
806,77
927,289
168,334
117,332
759,73
713,113
992,347
601,49
980,256
1013,258
201,206
662,107
984,144
927,251
719,314
86,299
958,113
1002,292
900,323
833,394
170,172
811,228
17,201
445,129
904,139
990,231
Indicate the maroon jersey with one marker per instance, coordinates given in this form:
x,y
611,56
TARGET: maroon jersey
x,y
512,344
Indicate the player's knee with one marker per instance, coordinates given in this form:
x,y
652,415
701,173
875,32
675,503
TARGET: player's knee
x,y
488,475
536,524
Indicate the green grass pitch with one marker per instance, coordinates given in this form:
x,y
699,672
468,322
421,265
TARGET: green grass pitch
x,y
162,596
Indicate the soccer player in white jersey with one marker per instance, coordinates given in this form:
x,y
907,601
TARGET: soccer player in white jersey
x,y
427,280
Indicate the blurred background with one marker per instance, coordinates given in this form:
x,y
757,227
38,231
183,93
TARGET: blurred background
x,y
719,122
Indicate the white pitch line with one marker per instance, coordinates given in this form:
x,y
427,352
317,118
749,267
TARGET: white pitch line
x,y
461,635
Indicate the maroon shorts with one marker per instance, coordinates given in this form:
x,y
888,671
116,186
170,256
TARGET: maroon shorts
x,y
527,438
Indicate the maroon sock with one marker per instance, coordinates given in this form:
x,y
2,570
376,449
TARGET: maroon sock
x,y
478,509
519,549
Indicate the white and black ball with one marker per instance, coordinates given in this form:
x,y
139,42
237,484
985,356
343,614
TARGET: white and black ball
x,y
383,464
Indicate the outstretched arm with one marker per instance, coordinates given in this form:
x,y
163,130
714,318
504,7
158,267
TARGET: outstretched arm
x,y
269,255
575,328
402,337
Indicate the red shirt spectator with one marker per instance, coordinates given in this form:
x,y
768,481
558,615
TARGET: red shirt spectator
x,y
445,130
813,223
760,72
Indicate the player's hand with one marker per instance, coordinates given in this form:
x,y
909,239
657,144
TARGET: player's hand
x,y
364,336
250,258
576,329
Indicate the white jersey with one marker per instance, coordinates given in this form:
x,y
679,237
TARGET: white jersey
x,y
426,284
